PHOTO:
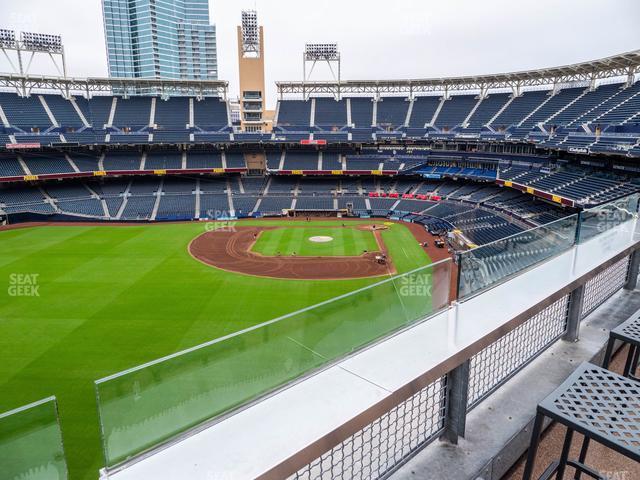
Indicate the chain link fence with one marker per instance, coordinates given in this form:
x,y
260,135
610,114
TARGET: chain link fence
x,y
603,285
506,356
386,442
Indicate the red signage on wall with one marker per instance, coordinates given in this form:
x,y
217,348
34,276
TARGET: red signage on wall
x,y
21,146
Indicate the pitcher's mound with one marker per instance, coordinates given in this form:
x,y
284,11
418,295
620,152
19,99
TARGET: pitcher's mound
x,y
321,239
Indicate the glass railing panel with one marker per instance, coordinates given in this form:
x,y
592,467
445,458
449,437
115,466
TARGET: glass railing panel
x,y
150,404
602,218
491,264
31,443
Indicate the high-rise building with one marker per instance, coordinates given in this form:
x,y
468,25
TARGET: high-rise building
x,y
170,39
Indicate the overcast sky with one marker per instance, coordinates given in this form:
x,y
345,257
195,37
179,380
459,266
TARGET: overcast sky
x,y
378,39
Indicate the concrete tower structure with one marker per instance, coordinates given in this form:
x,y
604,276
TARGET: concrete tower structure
x,y
253,115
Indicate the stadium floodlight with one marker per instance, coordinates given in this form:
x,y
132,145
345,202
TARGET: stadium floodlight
x,y
250,32
321,51
325,53
20,54
7,38
40,42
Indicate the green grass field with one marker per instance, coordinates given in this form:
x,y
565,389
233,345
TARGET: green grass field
x,y
347,241
110,298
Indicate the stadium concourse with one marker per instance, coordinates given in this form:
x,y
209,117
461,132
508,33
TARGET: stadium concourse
x,y
481,181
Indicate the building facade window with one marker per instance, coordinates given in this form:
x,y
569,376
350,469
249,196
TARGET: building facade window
x,y
171,39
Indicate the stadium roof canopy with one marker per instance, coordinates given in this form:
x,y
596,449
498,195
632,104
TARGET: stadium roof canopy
x,y
623,65
23,85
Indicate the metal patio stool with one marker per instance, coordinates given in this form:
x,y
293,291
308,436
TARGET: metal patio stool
x,y
627,332
601,405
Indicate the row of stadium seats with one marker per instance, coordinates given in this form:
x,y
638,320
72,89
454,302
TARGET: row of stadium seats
x,y
301,160
28,163
113,114
178,198
579,186
626,143
608,104
478,225
575,185
507,256
57,163
576,118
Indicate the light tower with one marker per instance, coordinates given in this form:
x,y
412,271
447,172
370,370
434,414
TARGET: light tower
x,y
32,43
324,53
20,53
251,64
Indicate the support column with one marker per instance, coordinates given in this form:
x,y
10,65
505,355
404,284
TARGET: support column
x,y
574,316
457,391
632,273
631,75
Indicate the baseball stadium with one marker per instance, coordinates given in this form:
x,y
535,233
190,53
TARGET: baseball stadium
x,y
374,279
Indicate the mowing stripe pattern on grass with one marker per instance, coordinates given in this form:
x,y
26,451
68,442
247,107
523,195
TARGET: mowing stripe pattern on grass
x,y
112,297
347,241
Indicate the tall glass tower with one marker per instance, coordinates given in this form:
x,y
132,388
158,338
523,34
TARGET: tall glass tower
x,y
170,39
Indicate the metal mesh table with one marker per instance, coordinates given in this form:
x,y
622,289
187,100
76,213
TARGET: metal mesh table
x,y
601,405
627,332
